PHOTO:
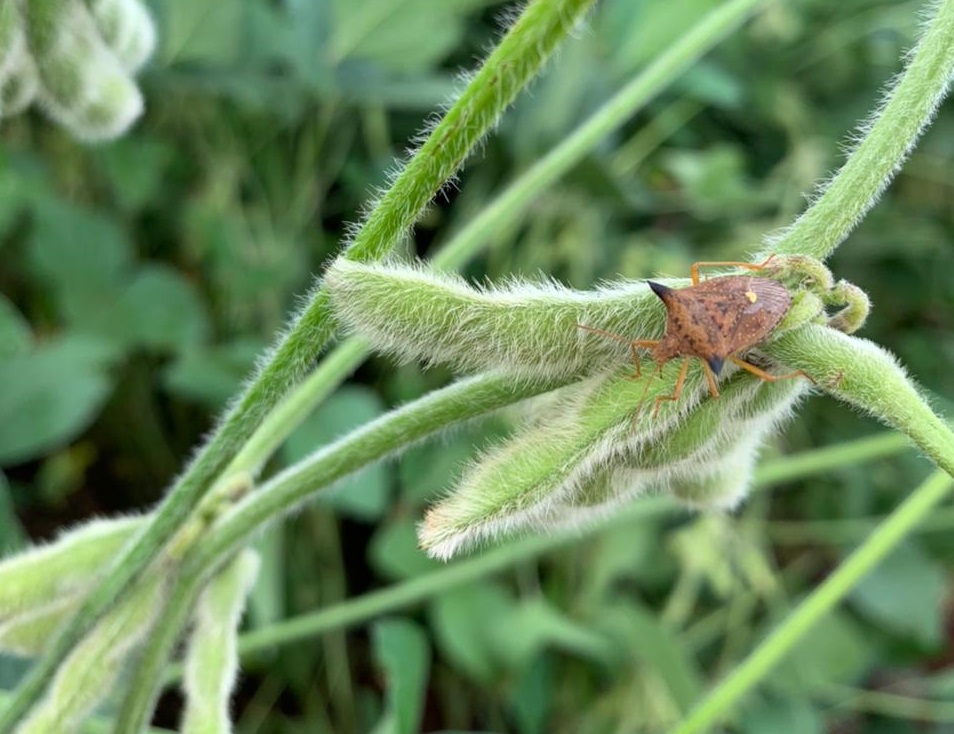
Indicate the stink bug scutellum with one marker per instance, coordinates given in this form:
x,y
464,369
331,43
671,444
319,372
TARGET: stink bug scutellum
x,y
713,320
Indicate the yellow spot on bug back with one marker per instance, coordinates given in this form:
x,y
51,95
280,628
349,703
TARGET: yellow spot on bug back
x,y
751,296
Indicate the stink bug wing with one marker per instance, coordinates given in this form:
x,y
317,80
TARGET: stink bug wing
x,y
742,310
765,304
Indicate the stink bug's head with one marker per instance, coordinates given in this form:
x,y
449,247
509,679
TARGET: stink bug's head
x,y
660,290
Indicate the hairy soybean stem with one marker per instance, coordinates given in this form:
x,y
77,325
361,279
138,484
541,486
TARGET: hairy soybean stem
x,y
501,212
887,140
361,609
516,60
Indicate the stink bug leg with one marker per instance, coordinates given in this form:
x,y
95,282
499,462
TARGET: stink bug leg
x,y
634,344
694,270
763,375
677,390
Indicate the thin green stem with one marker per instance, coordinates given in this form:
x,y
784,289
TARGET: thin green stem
x,y
408,593
845,530
397,430
908,109
888,704
393,432
824,459
143,688
504,210
517,59
862,374
760,662
298,405
413,591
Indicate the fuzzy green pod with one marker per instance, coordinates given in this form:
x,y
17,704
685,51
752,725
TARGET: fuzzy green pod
x,y
596,449
18,77
83,86
593,445
28,632
525,329
127,29
12,43
46,573
211,656
91,671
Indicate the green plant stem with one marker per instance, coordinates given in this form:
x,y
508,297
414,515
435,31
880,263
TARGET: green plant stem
x,y
827,458
908,109
849,529
504,210
389,434
518,58
888,704
143,688
500,213
397,430
407,593
862,374
96,724
759,663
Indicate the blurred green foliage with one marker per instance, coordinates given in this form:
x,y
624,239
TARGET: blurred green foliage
x,y
141,279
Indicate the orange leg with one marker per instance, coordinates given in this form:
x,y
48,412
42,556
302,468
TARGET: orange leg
x,y
677,391
763,375
694,270
634,344
710,378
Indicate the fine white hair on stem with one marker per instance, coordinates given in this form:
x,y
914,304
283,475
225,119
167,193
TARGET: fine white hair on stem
x,y
526,329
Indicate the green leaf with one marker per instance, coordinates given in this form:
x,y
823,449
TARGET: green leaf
x,y
402,652
22,182
365,495
75,248
464,622
202,30
12,535
161,309
211,375
135,169
15,333
406,36
530,628
781,716
532,698
49,396
641,633
905,594
835,651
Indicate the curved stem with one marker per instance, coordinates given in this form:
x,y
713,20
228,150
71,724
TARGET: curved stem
x,y
517,59
372,442
864,375
386,601
503,211
887,140
397,430
143,689
821,601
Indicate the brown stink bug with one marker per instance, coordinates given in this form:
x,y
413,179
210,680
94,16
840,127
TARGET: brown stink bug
x,y
714,320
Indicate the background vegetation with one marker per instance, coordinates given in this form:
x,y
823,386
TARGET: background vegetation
x,y
141,278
